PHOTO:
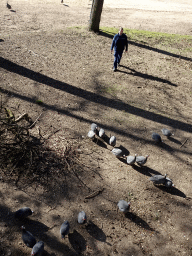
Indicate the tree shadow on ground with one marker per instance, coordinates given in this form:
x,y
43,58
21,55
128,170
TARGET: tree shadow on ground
x,y
88,95
145,76
147,47
138,221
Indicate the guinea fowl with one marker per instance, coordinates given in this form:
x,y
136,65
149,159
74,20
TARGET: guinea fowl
x,y
162,180
124,206
82,218
23,213
158,179
166,132
156,137
112,141
141,160
168,183
117,152
94,127
38,249
131,159
28,238
64,230
8,6
101,133
91,134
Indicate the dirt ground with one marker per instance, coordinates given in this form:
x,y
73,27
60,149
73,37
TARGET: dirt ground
x,y
47,57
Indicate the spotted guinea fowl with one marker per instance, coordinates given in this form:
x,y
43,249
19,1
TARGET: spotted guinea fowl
x,y
28,238
141,160
117,152
168,183
131,159
162,180
23,213
64,230
112,141
82,218
91,135
38,249
158,179
101,133
94,127
124,206
166,132
156,137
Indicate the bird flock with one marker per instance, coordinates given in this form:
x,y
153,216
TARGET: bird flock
x,y
28,238
131,160
123,206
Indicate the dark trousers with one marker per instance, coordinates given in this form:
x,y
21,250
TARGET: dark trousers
x,y
117,58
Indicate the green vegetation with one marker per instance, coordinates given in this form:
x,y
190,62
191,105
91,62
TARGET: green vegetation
x,y
183,43
39,102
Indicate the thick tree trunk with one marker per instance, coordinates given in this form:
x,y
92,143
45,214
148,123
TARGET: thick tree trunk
x,y
95,15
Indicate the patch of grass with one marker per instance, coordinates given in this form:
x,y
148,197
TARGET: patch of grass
x,y
182,42
39,102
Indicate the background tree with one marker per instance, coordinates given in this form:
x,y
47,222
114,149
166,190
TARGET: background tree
x,y
95,16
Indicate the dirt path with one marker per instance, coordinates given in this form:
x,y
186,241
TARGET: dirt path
x,y
69,71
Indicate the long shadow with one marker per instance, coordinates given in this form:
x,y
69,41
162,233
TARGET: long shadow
x,y
148,47
174,140
138,221
66,112
145,170
145,76
77,241
96,232
90,96
173,191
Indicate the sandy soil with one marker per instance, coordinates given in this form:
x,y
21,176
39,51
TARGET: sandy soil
x,y
69,71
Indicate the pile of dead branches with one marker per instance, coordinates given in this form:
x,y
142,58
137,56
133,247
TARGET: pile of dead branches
x,y
25,155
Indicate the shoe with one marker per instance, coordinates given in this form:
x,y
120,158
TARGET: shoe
x,y
114,69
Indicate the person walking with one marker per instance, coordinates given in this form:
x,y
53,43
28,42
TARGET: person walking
x,y
119,43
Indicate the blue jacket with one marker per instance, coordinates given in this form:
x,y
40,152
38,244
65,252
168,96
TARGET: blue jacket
x,y
119,43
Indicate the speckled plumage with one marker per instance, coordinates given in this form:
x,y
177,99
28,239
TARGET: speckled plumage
x,y
28,238
38,249
123,206
64,230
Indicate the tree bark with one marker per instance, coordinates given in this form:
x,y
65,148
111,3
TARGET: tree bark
x,y
95,15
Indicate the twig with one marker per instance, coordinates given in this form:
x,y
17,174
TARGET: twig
x,y
183,143
35,121
52,134
76,175
95,193
21,117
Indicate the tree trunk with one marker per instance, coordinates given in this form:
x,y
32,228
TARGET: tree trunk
x,y
95,15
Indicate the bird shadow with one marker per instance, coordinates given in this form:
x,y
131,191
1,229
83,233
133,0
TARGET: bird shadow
x,y
66,5
138,221
95,232
12,11
172,191
1,40
106,139
77,241
100,143
174,140
145,170
35,227
125,151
